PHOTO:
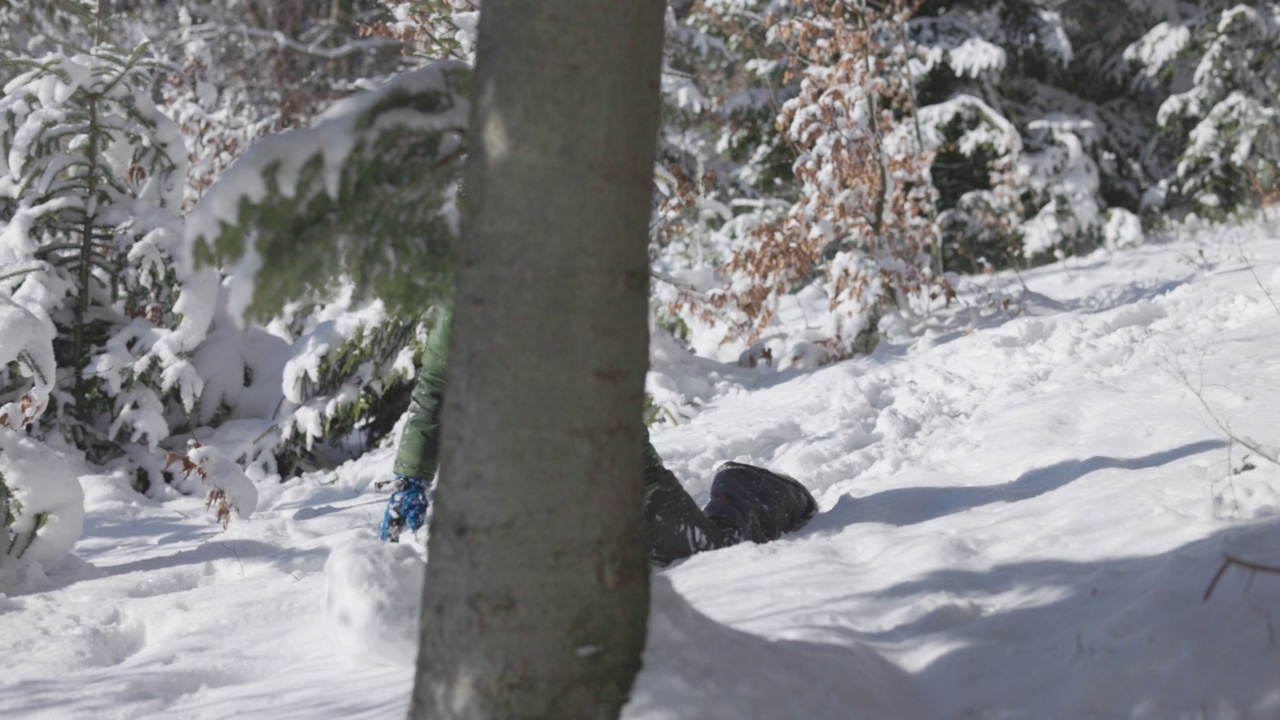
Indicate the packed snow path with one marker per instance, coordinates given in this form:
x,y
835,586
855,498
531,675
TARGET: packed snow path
x,y
1021,510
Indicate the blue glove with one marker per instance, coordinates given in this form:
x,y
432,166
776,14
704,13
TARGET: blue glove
x,y
407,507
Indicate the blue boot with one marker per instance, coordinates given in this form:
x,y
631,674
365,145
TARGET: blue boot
x,y
407,507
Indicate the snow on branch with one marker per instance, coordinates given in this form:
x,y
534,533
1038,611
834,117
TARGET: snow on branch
x,y
28,341
366,192
284,41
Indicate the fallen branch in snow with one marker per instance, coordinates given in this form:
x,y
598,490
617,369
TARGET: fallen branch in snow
x,y
1230,560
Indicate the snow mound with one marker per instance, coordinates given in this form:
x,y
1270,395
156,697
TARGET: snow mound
x,y
692,661
374,593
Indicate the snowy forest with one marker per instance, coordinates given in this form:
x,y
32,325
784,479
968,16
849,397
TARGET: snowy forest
x,y
989,248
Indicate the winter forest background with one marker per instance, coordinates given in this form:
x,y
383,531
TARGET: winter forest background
x,y
853,163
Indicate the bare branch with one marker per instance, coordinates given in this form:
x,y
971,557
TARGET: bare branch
x,y
284,41
1224,426
1264,289
1230,560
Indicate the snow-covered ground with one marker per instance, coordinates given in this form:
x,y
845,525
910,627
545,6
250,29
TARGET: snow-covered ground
x,y
1021,511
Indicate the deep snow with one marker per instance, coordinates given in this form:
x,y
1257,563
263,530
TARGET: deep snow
x,y
1021,510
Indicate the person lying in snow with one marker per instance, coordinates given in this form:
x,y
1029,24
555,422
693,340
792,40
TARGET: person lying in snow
x,y
747,502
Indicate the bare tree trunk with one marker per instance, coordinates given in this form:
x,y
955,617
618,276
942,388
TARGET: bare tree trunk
x,y
537,583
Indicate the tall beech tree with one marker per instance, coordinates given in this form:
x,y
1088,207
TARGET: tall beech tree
x,y
537,587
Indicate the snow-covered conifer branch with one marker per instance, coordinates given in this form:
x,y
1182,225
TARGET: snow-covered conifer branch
x,y
367,192
91,173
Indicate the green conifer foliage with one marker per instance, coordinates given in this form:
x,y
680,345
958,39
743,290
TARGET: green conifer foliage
x,y
90,186
1224,120
358,210
367,193
6,512
350,399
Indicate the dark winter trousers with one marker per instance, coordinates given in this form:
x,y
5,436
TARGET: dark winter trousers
x,y
747,503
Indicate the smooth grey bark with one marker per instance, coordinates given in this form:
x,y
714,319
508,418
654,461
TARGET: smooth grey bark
x,y
536,597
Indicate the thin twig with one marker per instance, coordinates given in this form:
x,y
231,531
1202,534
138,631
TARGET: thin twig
x,y
285,42
1264,289
233,552
1223,426
1231,471
1228,561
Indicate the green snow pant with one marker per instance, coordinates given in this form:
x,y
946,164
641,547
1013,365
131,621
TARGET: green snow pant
x,y
418,454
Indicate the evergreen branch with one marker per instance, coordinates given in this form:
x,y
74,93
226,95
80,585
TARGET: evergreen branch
x,y
379,215
41,520
20,270
25,358
46,250
100,262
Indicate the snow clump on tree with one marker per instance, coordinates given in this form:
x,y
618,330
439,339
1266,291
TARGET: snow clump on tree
x,y
41,502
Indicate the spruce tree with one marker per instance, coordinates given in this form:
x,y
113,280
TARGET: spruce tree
x,y
355,215
1221,120
90,187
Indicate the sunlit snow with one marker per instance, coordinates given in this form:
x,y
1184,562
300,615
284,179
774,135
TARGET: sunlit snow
x,y
1023,501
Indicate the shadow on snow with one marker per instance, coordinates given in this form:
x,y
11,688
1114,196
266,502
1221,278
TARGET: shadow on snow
x,y
1117,637
908,506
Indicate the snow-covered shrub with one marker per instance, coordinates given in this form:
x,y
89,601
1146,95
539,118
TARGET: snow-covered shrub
x,y
229,489
725,166
997,122
1224,116
978,177
37,27
218,121
41,503
1063,184
27,365
90,185
1121,229
719,144
1052,130
957,69
235,76
348,378
322,382
432,29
